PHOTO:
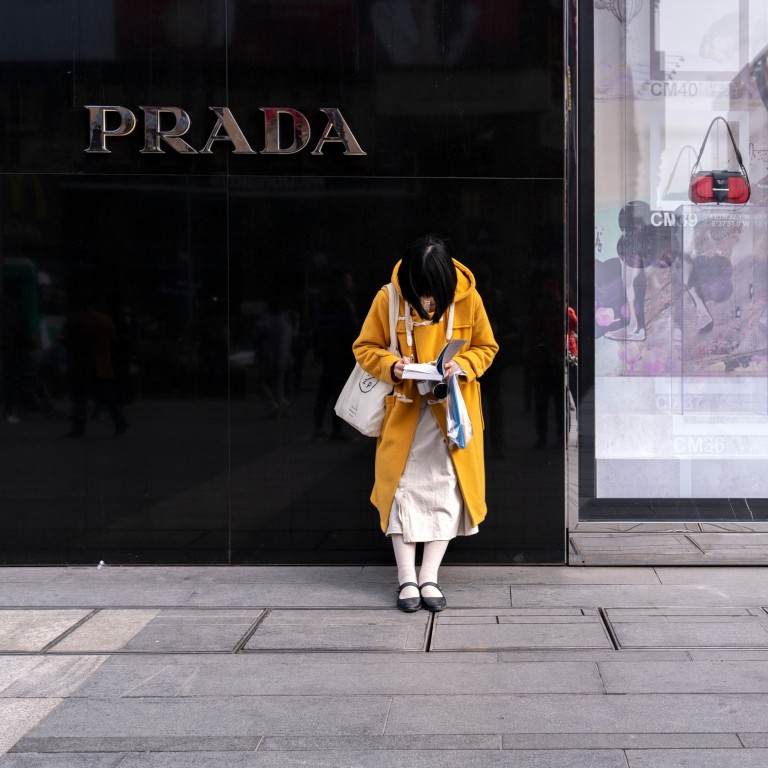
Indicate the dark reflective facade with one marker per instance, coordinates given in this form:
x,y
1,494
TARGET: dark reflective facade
x,y
207,273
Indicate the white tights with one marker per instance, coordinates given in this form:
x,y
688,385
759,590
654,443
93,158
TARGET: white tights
x,y
405,557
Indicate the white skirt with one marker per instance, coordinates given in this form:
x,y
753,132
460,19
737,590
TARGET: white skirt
x,y
428,505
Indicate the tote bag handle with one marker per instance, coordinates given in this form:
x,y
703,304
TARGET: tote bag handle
x,y
733,142
394,311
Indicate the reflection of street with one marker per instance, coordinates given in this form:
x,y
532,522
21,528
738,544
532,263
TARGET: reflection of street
x,y
165,487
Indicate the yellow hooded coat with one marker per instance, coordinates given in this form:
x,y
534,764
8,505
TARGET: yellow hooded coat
x,y
393,446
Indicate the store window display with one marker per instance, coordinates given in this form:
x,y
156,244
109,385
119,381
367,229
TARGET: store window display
x,y
680,279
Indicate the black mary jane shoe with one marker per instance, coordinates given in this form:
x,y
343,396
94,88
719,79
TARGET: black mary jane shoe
x,y
408,604
433,604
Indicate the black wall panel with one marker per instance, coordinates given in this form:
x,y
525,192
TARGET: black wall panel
x,y
212,267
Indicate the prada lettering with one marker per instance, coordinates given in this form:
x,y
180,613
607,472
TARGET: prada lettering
x,y
112,122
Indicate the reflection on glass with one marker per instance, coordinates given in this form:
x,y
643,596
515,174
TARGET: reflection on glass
x,y
114,352
303,478
681,290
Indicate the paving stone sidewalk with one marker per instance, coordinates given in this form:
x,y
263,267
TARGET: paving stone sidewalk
x,y
290,666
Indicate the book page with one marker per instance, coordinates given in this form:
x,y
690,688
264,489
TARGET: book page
x,y
434,371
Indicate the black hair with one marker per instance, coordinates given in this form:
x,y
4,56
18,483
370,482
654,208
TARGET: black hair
x,y
427,269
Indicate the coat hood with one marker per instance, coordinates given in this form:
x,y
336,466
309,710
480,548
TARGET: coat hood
x,y
465,280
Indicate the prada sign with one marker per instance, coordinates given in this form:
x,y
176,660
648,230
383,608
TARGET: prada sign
x,y
280,124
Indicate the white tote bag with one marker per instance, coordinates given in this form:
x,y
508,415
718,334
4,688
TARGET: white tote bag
x,y
361,402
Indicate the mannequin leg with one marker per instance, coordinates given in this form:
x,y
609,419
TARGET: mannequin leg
x,y
430,564
405,557
704,320
635,329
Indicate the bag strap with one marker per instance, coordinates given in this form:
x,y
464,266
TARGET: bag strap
x,y
733,141
394,310
408,326
449,327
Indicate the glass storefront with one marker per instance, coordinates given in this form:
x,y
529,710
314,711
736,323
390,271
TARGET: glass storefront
x,y
674,391
255,165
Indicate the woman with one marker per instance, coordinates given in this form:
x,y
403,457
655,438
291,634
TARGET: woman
x,y
424,491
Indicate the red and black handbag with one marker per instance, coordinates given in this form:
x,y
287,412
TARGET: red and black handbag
x,y
731,187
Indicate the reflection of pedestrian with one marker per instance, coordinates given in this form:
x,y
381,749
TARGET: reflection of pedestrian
x,y
275,357
547,360
16,347
89,337
424,491
214,361
124,351
493,394
572,353
334,329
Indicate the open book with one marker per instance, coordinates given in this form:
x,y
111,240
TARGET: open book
x,y
434,371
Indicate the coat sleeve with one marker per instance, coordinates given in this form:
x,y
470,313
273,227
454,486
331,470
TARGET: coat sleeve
x,y
371,346
483,347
